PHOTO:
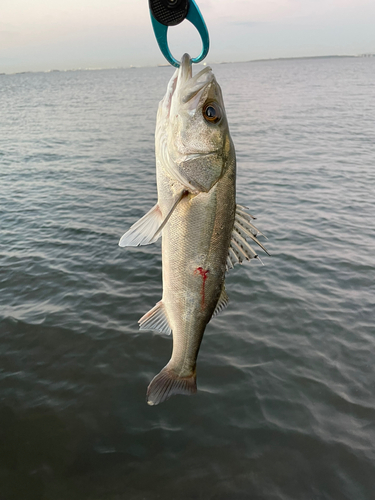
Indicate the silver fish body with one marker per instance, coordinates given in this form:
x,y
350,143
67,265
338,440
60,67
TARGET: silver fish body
x,y
194,251
203,230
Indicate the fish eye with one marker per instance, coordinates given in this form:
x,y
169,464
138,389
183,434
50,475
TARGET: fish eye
x,y
212,112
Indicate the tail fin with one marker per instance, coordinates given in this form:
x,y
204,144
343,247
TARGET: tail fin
x,y
167,383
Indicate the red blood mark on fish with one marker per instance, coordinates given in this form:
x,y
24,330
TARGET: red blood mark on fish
x,y
203,273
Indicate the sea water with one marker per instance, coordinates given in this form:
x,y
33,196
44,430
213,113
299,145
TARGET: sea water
x,y
285,407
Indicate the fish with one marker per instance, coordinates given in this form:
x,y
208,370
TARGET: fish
x,y
204,232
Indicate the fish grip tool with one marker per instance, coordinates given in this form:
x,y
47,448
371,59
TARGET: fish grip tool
x,y
165,13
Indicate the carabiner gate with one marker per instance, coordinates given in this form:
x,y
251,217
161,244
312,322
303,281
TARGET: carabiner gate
x,y
166,13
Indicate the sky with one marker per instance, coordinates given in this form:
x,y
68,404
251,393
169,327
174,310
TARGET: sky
x,y
41,35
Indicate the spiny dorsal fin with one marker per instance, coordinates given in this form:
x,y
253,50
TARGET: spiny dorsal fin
x,y
156,319
148,229
240,249
245,233
222,302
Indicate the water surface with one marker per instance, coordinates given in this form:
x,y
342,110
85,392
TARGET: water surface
x,y
285,408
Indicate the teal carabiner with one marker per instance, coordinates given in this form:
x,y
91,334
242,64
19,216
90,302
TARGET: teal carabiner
x,y
166,13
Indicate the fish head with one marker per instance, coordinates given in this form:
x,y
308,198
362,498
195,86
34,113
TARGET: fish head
x,y
194,138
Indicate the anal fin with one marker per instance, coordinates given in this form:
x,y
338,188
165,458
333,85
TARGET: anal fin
x,y
156,319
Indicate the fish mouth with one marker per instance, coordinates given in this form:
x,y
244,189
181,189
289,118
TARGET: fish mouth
x,y
186,86
186,89
190,86
185,71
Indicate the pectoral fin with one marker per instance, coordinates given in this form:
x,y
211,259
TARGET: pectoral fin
x,y
148,229
143,232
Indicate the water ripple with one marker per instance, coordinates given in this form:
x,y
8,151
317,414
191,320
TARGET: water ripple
x,y
285,374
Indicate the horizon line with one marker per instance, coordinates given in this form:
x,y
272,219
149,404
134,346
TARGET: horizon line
x,y
131,66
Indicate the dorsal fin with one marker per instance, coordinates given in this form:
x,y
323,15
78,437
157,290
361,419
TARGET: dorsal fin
x,y
240,249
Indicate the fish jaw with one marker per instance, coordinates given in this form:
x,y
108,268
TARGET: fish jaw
x,y
184,88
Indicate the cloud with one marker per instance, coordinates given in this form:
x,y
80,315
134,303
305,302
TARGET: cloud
x,y
55,34
247,24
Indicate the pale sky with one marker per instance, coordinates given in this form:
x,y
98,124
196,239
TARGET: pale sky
x,y
39,35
